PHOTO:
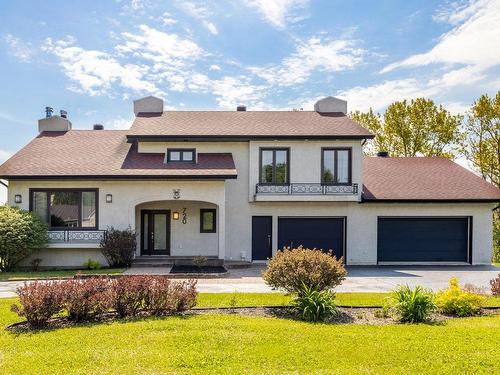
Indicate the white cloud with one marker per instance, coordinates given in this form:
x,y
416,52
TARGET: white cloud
x,y
470,42
4,155
279,12
456,107
315,54
214,68
19,49
380,95
199,11
160,47
167,19
231,91
94,72
119,123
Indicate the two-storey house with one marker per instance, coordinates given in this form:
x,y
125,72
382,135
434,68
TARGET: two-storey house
x,y
237,185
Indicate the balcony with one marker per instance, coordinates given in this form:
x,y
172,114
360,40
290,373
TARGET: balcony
x,y
68,238
306,192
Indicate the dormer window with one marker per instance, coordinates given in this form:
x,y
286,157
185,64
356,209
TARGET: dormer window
x,y
185,155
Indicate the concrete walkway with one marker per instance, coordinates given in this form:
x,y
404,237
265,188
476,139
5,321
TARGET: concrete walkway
x,y
359,279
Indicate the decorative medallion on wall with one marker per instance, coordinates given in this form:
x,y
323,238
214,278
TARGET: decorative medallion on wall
x,y
184,216
177,193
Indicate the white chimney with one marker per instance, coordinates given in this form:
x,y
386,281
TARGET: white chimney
x,y
54,123
331,104
149,104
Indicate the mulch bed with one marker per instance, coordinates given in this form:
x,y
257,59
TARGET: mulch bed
x,y
195,269
346,315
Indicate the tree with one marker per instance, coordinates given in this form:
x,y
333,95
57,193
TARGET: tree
x,y
482,137
21,234
481,147
415,128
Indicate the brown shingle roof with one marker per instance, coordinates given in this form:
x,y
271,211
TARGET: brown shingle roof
x,y
105,153
423,178
246,125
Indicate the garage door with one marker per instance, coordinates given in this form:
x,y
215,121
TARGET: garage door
x,y
423,239
320,233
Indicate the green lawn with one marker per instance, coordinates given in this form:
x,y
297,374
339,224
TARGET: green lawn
x,y
22,275
226,344
277,299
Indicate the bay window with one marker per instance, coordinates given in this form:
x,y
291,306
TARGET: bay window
x,y
65,208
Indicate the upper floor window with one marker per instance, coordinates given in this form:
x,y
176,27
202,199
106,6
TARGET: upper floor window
x,y
181,154
336,166
274,166
66,208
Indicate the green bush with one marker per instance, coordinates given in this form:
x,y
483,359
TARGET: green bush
x,y
496,238
315,305
118,247
413,305
459,302
92,264
291,269
21,234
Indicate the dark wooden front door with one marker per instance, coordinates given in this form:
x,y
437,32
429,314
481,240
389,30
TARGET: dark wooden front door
x,y
262,230
155,233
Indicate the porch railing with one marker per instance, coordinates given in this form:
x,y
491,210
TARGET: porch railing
x,y
306,189
76,236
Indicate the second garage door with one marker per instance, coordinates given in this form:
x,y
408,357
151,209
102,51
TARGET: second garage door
x,y
325,233
423,239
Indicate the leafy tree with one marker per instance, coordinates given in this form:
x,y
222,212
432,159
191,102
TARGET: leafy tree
x,y
415,128
21,234
482,148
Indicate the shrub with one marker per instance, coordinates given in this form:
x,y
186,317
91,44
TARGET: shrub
x,y
167,297
21,234
413,305
291,269
40,300
118,247
84,299
128,293
496,238
315,305
459,302
92,264
495,286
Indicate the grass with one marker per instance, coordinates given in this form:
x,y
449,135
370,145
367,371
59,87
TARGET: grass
x,y
227,344
23,275
279,299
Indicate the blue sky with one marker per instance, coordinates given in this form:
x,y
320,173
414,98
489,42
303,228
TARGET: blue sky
x,y
92,58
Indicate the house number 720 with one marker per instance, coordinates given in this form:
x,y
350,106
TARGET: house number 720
x,y
184,216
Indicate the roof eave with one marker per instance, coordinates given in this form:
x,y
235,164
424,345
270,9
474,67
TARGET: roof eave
x,y
213,138
121,177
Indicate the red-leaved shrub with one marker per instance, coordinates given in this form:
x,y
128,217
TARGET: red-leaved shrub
x,y
495,286
84,299
40,300
167,297
128,293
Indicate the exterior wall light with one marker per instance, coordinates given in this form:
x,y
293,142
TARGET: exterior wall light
x,y
175,215
109,198
18,198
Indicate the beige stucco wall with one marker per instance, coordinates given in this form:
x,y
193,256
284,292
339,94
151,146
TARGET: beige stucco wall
x,y
236,205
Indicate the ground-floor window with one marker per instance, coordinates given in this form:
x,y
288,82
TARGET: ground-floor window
x,y
208,220
65,208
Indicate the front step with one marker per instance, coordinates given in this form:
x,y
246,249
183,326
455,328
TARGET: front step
x,y
145,261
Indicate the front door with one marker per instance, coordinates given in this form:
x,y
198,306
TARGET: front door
x,y
262,230
155,235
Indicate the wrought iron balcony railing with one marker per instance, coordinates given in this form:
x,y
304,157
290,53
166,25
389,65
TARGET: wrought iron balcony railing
x,y
76,236
306,189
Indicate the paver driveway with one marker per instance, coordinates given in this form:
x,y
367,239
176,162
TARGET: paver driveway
x,y
359,279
